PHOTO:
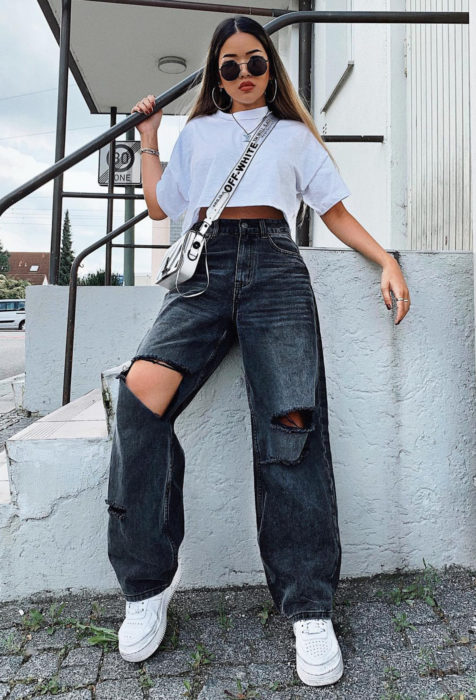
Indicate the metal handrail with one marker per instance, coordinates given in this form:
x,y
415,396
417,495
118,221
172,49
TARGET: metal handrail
x,y
73,288
178,90
164,99
84,151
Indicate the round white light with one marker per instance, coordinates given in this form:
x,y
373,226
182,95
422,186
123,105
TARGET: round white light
x,y
172,64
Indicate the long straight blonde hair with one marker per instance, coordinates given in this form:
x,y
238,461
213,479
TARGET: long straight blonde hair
x,y
287,103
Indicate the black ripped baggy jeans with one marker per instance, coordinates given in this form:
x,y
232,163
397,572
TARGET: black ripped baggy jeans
x,y
259,295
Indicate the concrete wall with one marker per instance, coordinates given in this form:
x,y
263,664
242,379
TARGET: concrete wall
x,y
401,398
110,322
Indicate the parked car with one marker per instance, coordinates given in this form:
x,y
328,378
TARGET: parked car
x,y
12,313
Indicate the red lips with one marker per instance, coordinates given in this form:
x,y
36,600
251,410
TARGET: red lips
x,y
246,83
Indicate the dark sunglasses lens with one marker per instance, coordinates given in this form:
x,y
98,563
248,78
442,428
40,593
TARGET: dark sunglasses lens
x,y
230,70
257,65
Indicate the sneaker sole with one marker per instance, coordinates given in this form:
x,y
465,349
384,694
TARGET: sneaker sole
x,y
159,633
326,678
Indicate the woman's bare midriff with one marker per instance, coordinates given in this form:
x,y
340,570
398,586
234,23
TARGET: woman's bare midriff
x,y
257,212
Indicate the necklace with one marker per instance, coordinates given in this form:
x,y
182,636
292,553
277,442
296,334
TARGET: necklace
x,y
247,135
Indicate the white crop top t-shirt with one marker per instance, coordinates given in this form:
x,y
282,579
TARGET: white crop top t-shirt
x,y
289,166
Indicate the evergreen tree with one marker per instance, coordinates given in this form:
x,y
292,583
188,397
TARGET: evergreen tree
x,y
66,254
4,264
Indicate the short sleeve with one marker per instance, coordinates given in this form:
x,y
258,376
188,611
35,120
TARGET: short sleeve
x,y
173,187
318,179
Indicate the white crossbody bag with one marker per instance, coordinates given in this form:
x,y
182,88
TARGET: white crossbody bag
x,y
181,259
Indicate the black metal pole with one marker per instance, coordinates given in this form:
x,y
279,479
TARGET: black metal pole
x,y
305,93
61,109
110,202
129,235
107,195
73,286
324,15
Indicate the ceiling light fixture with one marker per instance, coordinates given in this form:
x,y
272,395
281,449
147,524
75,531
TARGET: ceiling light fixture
x,y
172,64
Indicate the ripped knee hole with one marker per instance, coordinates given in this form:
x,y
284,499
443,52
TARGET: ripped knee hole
x,y
161,362
150,358
151,403
302,418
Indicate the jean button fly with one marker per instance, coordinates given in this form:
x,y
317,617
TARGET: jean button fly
x,y
244,225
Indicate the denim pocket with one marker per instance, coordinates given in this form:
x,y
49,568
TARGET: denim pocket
x,y
283,243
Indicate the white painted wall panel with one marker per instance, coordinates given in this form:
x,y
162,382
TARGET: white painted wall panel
x,y
439,208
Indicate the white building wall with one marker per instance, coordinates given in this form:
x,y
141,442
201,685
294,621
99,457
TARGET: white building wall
x,y
439,205
410,83
360,106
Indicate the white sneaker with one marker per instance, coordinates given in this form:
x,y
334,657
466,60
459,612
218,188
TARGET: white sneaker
x,y
146,621
318,655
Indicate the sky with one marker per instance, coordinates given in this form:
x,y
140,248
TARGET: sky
x,y
28,100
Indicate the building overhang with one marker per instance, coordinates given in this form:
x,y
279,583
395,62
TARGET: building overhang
x,y
115,48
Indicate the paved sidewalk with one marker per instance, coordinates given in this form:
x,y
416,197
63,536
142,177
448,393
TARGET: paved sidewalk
x,y
7,397
12,420
232,643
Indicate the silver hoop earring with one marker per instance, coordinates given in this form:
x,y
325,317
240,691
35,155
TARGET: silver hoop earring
x,y
275,90
223,109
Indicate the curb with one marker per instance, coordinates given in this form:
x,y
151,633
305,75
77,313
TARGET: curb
x,y
12,392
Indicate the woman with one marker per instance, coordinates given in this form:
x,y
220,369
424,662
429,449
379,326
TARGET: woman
x,y
259,293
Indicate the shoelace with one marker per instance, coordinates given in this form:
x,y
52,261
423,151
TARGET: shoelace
x,y
314,626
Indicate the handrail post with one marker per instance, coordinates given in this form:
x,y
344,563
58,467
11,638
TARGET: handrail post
x,y
306,33
129,235
110,202
73,286
61,109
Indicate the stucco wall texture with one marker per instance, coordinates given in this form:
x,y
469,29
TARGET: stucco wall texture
x,y
401,401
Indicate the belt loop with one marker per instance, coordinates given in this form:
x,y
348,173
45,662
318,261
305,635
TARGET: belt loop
x,y
262,227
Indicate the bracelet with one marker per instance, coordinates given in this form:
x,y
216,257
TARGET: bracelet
x,y
150,150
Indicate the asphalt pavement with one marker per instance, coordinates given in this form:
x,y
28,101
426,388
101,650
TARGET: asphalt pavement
x,y
12,352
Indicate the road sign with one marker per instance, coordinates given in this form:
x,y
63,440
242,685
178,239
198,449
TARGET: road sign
x,y
127,164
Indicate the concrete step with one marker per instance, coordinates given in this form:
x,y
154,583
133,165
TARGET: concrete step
x,y
54,521
11,422
53,498
88,417
72,427
5,495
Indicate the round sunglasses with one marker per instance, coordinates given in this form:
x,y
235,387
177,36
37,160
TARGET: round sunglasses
x,y
230,70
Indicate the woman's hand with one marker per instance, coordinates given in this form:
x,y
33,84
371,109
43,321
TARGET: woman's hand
x,y
392,279
146,105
